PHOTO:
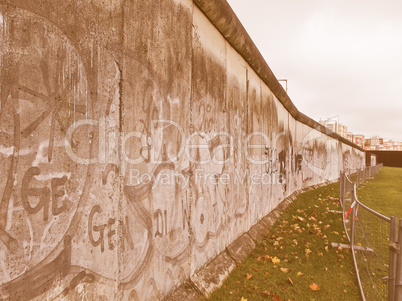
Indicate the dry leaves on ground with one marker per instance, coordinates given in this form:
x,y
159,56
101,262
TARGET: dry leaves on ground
x,y
314,287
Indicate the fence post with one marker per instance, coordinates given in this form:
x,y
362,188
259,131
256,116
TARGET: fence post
x,y
398,268
341,190
393,237
364,174
352,220
352,241
358,177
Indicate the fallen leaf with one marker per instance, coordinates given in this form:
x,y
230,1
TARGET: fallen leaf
x,y
266,293
314,287
299,274
242,299
290,280
258,259
284,270
276,260
249,276
276,298
267,257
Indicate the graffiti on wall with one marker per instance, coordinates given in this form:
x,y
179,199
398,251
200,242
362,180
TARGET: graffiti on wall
x,y
43,91
136,166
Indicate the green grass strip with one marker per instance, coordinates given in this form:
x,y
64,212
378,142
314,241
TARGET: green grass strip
x,y
295,260
384,192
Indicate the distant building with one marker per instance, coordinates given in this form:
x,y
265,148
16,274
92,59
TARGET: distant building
x,y
349,136
335,126
374,141
359,140
380,144
342,130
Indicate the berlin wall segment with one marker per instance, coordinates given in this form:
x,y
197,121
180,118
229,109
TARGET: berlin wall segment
x,y
136,144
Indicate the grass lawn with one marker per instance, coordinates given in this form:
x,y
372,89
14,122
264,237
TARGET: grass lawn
x,y
295,260
384,193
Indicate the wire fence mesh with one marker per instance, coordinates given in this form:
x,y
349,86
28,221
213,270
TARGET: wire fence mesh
x,y
373,239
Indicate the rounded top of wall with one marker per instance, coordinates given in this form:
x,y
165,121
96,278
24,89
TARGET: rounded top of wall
x,y
225,20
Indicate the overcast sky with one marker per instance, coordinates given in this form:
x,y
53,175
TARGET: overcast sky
x,y
342,58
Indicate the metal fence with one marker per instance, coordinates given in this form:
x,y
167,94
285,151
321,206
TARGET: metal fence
x,y
373,238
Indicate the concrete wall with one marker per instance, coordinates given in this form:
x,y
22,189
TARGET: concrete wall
x,y
137,141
